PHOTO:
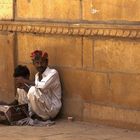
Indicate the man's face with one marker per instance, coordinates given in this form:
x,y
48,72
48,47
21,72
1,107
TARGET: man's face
x,y
40,65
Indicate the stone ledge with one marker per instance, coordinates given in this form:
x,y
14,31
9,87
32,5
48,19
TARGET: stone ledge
x,y
119,117
79,29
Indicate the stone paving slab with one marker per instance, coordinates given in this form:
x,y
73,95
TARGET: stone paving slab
x,y
66,130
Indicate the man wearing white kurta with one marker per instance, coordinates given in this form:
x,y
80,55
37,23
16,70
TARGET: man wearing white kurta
x,y
44,95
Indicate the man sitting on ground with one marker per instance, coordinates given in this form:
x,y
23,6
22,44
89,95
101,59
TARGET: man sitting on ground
x,y
44,96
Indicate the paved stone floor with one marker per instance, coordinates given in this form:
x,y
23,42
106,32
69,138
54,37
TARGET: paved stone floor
x,y
66,130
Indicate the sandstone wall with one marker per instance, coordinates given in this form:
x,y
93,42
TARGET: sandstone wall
x,y
95,46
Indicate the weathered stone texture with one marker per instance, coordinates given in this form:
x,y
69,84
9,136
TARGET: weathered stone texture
x,y
7,91
6,9
63,51
111,115
48,9
87,53
113,55
125,90
73,107
90,86
111,10
110,89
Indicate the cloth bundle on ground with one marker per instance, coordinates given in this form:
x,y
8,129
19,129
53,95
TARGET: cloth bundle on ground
x,y
12,113
18,115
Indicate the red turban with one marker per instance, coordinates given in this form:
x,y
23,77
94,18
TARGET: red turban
x,y
37,54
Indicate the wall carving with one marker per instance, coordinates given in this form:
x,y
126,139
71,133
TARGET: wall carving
x,y
81,29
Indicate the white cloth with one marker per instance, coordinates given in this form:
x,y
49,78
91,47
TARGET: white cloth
x,y
45,97
21,96
31,122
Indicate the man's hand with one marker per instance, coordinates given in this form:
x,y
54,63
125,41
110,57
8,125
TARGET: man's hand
x,y
20,82
23,83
